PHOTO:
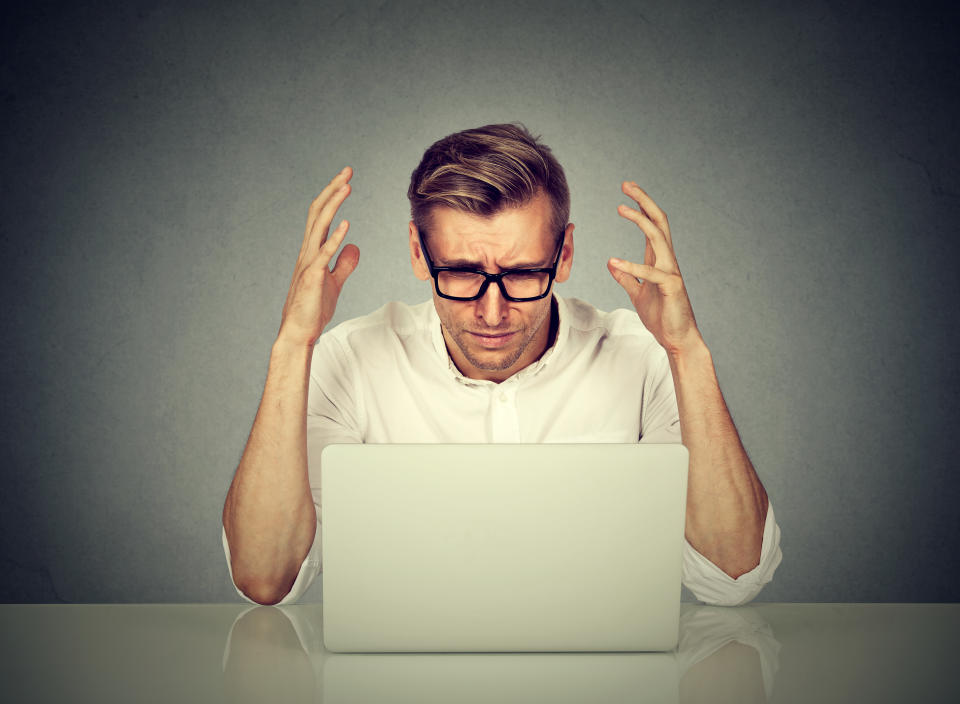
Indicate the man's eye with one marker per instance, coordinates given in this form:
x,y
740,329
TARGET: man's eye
x,y
520,276
461,274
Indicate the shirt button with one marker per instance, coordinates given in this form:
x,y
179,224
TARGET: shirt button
x,y
503,397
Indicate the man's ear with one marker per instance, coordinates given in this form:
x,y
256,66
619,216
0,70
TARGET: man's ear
x,y
566,258
419,264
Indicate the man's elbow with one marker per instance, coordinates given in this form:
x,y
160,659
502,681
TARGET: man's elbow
x,y
265,593
740,565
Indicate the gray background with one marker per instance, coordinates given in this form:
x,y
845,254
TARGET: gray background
x,y
158,161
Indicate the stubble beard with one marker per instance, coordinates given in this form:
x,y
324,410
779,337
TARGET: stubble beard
x,y
461,336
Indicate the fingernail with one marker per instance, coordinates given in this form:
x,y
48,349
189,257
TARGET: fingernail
x,y
615,261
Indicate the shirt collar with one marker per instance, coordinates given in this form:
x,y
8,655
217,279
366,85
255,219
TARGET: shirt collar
x,y
443,356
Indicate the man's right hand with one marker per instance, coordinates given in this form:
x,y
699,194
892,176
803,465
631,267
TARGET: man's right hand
x,y
314,289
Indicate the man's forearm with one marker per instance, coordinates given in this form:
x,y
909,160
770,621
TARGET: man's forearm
x,y
726,503
268,515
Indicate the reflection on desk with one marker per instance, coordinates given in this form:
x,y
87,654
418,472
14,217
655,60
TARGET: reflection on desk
x,y
726,652
213,653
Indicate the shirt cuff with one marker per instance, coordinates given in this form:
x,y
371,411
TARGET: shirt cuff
x,y
309,568
712,585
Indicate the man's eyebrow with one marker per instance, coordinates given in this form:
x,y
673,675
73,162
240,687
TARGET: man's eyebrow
x,y
468,264
461,264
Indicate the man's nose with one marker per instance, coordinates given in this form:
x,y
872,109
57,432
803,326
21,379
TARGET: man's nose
x,y
492,307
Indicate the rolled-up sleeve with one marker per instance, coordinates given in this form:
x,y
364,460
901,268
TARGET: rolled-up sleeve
x,y
712,585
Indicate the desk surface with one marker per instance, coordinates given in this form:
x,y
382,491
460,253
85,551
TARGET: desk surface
x,y
226,652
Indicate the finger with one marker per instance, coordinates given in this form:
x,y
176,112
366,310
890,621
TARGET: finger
x,y
326,251
341,178
648,206
346,263
649,258
317,204
641,271
319,260
321,225
629,282
655,237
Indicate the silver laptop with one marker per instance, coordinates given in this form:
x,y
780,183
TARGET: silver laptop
x,y
502,548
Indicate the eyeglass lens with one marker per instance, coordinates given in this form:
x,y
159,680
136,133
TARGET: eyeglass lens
x,y
465,284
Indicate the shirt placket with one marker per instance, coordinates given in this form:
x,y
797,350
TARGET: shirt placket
x,y
504,418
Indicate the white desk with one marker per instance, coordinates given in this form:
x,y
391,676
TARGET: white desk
x,y
215,652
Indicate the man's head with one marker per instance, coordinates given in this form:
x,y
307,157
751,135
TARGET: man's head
x,y
485,170
491,199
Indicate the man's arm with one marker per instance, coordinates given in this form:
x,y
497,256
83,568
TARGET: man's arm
x,y
726,503
269,516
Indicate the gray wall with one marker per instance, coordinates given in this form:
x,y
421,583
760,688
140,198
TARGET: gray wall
x,y
158,162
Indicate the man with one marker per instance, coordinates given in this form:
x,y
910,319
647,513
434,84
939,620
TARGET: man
x,y
495,357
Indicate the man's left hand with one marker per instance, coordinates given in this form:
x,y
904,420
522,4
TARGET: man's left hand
x,y
656,287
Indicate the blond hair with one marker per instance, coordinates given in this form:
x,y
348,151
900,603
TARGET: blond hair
x,y
485,170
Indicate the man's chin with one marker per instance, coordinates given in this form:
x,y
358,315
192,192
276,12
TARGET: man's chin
x,y
492,365
491,360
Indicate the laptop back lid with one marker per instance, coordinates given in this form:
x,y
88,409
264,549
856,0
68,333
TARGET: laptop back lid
x,y
549,547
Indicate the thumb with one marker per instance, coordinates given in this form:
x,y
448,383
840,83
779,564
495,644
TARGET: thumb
x,y
627,281
346,263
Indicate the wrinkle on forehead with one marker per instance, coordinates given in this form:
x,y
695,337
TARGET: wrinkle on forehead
x,y
508,239
491,253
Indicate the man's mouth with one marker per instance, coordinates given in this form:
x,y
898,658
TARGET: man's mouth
x,y
493,340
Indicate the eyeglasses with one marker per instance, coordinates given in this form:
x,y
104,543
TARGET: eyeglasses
x,y
465,284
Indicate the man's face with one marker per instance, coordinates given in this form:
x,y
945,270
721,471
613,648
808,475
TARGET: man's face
x,y
491,337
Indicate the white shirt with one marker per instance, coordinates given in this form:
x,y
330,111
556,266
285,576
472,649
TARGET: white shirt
x,y
387,378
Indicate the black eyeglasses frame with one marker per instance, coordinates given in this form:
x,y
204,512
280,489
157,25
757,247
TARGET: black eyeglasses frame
x,y
435,272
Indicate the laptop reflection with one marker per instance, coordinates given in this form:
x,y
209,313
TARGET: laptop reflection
x,y
278,652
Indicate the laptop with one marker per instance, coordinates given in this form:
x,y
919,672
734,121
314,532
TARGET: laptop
x,y
502,548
